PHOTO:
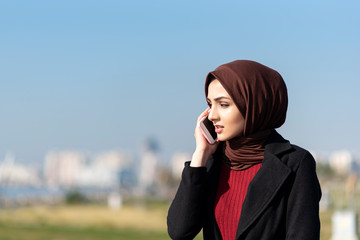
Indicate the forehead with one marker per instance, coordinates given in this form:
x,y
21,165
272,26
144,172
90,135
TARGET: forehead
x,y
215,90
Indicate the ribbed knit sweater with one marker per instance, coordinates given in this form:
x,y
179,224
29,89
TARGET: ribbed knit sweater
x,y
230,196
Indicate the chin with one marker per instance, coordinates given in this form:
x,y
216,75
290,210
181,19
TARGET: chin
x,y
226,137
222,138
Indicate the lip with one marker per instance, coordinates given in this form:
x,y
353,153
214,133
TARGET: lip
x,y
219,128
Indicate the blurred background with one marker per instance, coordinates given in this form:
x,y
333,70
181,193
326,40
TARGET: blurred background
x,y
99,101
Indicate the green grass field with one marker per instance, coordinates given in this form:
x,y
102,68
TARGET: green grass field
x,y
84,222
95,222
41,232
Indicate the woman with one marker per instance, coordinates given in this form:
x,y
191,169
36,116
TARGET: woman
x,y
251,184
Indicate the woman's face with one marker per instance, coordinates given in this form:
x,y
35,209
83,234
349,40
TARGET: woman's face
x,y
224,114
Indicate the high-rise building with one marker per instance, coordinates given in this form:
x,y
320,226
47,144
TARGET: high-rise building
x,y
150,159
63,167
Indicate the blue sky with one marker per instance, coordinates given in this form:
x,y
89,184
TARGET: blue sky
x,y
101,75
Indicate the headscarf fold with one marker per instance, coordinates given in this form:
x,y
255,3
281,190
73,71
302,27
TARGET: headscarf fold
x,y
260,94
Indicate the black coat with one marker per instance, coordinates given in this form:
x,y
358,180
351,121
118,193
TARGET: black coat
x,y
282,201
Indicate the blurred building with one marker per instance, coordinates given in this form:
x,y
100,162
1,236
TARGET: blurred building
x,y
105,170
344,163
150,158
15,174
177,164
62,168
70,168
113,159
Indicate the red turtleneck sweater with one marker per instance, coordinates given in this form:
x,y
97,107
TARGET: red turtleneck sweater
x,y
230,196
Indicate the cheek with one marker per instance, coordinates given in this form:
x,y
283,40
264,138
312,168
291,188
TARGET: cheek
x,y
240,129
237,128
237,124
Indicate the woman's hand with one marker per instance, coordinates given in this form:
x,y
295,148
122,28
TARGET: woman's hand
x,y
203,149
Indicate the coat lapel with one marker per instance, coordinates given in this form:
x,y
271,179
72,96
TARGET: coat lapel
x,y
265,184
214,172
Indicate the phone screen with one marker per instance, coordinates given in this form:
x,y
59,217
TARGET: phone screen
x,y
210,126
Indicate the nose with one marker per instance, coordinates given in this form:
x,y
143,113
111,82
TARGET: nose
x,y
213,114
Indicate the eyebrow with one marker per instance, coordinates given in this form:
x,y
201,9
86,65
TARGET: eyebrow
x,y
219,98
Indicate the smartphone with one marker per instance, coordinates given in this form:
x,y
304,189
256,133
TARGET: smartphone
x,y
208,130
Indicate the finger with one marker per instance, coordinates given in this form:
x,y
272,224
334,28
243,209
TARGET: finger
x,y
203,114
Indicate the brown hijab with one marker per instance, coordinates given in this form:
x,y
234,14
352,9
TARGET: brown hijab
x,y
260,94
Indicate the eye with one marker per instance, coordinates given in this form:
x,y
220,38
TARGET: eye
x,y
209,104
224,105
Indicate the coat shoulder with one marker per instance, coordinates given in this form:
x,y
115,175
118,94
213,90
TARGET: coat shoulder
x,y
290,154
298,156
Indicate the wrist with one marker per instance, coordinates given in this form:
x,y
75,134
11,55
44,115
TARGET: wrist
x,y
199,158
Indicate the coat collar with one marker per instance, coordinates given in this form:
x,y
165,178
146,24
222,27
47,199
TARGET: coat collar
x,y
266,182
276,144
